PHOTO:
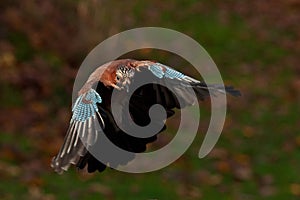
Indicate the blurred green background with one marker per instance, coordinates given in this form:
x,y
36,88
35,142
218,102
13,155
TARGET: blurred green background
x,y
255,44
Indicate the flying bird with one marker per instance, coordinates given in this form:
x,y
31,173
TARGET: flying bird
x,y
92,120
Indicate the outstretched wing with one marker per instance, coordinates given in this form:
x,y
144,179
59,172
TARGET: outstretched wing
x,y
84,128
172,86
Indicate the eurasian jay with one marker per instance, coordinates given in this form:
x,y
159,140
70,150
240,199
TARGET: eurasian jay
x,y
92,114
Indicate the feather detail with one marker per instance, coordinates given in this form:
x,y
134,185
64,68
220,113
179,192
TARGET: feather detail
x,y
86,105
86,123
162,71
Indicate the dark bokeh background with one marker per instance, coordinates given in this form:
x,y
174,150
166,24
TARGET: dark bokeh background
x,y
256,45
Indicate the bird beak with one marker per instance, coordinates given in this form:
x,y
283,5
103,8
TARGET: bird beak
x,y
127,88
126,84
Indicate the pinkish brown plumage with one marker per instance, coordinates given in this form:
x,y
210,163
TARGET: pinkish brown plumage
x,y
92,116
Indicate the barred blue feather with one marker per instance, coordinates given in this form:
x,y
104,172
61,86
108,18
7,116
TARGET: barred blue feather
x,y
160,71
82,110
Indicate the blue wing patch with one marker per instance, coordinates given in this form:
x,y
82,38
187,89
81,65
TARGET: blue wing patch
x,y
84,110
160,71
157,70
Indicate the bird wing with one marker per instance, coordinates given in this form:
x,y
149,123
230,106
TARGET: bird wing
x,y
85,126
186,89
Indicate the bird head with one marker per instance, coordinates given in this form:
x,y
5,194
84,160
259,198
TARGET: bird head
x,y
124,76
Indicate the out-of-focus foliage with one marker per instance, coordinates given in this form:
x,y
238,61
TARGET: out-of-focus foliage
x,y
256,45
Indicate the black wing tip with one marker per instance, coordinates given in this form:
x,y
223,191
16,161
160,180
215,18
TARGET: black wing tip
x,y
228,89
232,91
57,167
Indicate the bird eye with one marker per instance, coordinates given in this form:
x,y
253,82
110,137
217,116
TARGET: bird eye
x,y
118,78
